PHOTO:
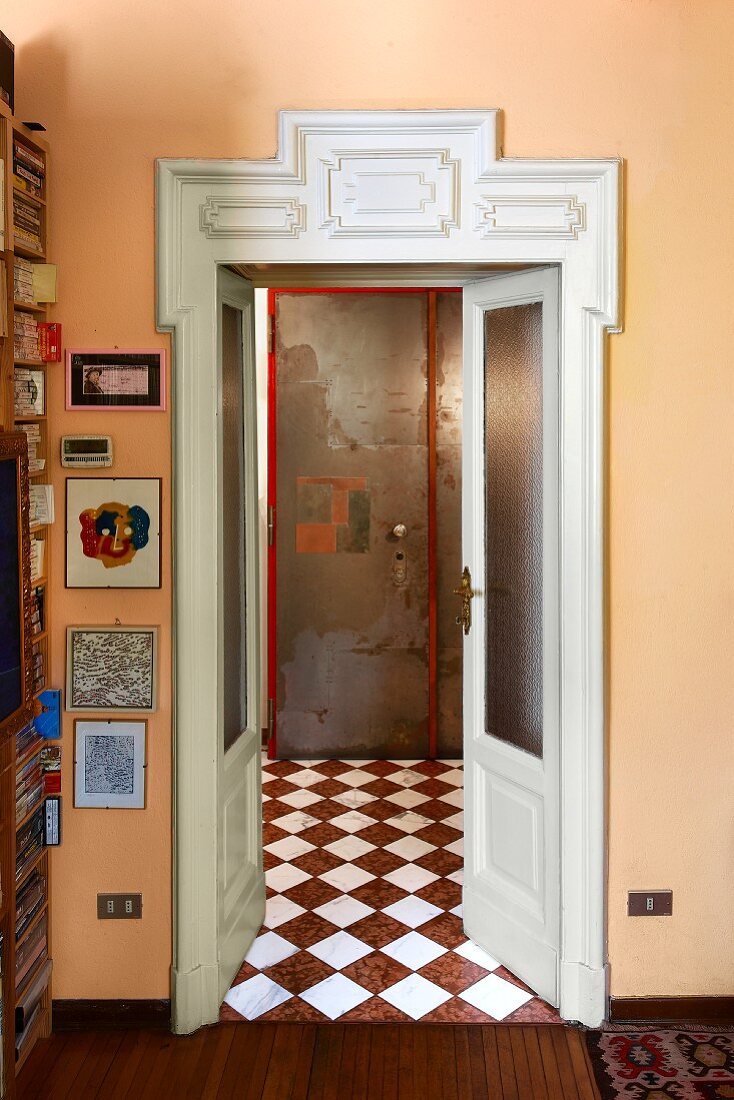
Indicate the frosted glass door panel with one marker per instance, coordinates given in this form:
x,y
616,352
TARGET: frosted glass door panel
x,y
513,361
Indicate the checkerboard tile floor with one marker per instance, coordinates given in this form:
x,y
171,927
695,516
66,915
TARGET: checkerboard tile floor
x,y
363,865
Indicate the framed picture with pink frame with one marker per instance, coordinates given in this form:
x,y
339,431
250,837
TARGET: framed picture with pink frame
x,y
126,380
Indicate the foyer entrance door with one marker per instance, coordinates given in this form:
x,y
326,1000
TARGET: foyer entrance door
x,y
365,486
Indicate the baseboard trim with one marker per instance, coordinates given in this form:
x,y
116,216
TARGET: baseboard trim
x,y
703,1009
111,1015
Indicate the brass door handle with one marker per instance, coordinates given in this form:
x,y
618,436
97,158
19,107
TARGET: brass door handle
x,y
466,592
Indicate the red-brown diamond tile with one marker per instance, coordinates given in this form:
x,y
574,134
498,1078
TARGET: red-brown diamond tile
x,y
306,930
380,834
282,768
227,1015
435,809
321,835
317,862
299,972
326,809
440,862
447,929
312,893
275,808
270,861
534,1012
380,809
433,788
376,930
439,834
375,1010
245,971
332,768
380,767
294,1009
430,767
276,788
271,833
269,891
380,788
456,1011
443,892
327,788
378,862
378,894
452,972
503,972
376,972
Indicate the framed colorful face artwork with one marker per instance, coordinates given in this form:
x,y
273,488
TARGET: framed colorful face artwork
x,y
113,532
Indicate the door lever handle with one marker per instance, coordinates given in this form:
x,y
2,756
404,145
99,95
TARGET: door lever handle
x,y
466,592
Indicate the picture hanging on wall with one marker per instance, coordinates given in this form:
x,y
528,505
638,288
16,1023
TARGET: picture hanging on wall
x,y
132,380
113,532
111,668
109,765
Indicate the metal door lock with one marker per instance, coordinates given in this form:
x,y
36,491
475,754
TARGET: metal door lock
x,y
466,593
399,567
399,531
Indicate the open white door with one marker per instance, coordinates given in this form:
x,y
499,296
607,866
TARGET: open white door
x,y
511,669
241,883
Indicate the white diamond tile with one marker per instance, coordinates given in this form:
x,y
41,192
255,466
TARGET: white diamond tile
x,y
265,798
407,798
335,995
346,877
255,996
269,949
289,847
306,778
458,911
412,911
454,762
406,778
284,876
495,996
415,996
349,847
410,848
411,877
408,822
455,778
300,799
353,799
456,821
456,847
476,954
356,778
296,822
454,797
351,822
407,763
340,950
279,909
414,950
457,876
343,911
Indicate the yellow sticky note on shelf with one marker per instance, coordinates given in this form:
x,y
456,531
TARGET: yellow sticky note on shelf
x,y
44,282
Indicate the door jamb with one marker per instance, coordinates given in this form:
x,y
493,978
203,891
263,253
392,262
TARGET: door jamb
x,y
352,187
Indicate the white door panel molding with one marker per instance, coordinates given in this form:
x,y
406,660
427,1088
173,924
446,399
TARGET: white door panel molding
x,y
393,187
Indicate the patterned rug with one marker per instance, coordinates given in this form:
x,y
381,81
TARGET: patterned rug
x,y
663,1065
363,866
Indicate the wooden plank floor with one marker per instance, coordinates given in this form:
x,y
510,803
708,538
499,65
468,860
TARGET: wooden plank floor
x,y
314,1062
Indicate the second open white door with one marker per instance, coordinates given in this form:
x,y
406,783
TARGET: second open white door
x,y
511,669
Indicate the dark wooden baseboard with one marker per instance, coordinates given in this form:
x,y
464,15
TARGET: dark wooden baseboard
x,y
111,1015
703,1009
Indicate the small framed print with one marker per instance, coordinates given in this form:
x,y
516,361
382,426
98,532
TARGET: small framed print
x,y
113,532
29,392
109,765
133,380
111,668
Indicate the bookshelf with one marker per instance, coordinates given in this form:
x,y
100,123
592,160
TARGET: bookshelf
x,y
24,861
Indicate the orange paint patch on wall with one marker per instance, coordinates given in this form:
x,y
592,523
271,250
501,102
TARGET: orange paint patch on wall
x,y
315,538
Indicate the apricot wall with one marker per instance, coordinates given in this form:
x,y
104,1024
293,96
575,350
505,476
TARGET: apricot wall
x,y
119,84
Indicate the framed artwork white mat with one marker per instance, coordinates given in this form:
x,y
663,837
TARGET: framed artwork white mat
x,y
111,668
113,532
109,764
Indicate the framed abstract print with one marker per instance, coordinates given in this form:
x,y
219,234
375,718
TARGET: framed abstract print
x,y
111,668
113,532
109,765
106,378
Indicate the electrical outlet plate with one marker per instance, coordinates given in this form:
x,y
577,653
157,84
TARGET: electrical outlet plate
x,y
650,903
119,906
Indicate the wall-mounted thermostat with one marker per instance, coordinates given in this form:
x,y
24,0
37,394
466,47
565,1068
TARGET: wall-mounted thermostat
x,y
86,450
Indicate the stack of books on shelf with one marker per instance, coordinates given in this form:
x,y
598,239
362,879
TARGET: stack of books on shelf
x,y
25,337
33,948
30,900
33,434
29,776
38,616
28,843
38,557
27,223
41,505
39,668
28,1003
23,280
29,170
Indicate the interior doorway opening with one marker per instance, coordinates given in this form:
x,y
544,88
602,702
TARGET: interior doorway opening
x,y
363,786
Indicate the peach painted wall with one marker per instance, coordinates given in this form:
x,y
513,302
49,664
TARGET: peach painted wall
x,y
119,84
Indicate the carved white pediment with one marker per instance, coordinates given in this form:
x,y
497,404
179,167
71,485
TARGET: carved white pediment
x,y
252,217
516,216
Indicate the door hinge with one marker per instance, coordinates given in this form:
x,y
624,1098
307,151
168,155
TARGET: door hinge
x,y
271,524
271,717
271,333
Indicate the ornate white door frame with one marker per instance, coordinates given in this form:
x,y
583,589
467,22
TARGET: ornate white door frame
x,y
393,187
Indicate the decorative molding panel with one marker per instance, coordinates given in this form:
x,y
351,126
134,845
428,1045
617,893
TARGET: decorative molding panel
x,y
252,217
514,217
387,193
